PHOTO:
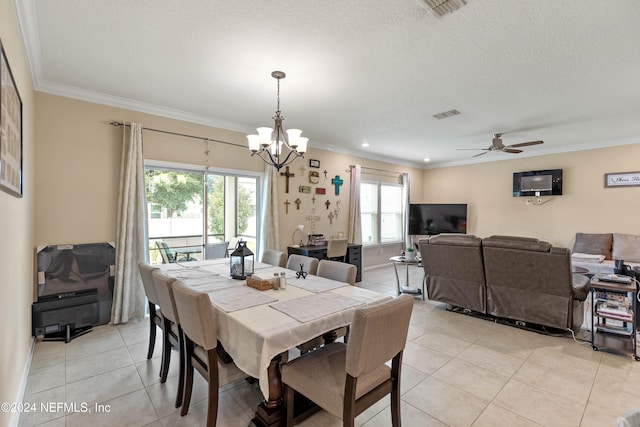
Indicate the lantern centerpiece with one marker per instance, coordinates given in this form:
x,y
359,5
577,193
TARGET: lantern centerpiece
x,y
241,261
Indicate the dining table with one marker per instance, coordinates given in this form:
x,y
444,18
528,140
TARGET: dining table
x,y
258,328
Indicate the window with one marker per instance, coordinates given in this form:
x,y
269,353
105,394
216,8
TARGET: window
x,y
381,210
188,209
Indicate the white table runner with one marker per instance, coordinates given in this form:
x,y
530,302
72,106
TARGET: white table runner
x,y
238,298
315,284
312,307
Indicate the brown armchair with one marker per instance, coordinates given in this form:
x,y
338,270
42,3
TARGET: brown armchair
x,y
454,270
530,280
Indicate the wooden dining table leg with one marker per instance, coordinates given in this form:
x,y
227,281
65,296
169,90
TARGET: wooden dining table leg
x,y
269,412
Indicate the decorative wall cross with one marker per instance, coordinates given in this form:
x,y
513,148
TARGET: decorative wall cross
x,y
337,181
297,202
288,175
325,174
286,206
337,210
327,203
313,218
330,216
313,199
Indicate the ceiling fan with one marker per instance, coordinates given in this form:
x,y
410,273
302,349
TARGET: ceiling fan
x,y
497,145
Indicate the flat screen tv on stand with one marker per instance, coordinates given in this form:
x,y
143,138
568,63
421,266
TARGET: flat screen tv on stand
x,y
428,219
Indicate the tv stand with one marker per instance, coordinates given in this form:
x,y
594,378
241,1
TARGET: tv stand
x,y
69,333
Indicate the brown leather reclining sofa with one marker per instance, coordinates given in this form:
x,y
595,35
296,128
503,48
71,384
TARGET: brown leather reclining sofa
x,y
517,278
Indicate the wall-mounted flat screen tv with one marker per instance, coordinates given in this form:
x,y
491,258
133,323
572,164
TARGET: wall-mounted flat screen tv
x,y
436,218
537,183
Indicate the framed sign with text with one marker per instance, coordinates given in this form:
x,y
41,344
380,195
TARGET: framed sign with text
x,y
622,179
10,130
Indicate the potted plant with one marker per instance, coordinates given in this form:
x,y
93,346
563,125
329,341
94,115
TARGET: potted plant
x,y
410,254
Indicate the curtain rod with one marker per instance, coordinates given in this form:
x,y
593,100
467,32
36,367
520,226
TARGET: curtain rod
x,y
201,138
377,170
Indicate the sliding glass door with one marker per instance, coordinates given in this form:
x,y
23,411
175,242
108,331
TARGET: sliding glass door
x,y
189,209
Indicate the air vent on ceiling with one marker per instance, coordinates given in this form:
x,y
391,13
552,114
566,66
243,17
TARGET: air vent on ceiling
x,y
441,7
446,114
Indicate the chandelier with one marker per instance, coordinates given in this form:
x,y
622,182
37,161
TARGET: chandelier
x,y
270,144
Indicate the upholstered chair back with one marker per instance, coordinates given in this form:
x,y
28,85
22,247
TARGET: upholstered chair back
x,y
197,316
273,257
162,284
338,271
147,281
309,264
378,333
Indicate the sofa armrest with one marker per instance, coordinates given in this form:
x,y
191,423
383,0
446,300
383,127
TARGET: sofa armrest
x,y
580,287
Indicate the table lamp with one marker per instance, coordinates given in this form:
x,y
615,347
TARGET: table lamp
x,y
300,228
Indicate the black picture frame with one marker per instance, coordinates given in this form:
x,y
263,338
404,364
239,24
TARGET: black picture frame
x,y
313,163
10,130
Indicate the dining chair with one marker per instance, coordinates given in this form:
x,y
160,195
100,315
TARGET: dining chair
x,y
198,322
155,315
338,271
216,250
308,264
346,379
337,249
172,331
273,257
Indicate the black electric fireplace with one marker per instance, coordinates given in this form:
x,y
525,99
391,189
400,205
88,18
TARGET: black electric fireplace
x,y
75,289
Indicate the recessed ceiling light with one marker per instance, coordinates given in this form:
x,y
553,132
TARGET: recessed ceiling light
x,y
365,144
426,159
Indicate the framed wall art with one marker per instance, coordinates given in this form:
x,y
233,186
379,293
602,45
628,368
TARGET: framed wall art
x,y
622,179
313,163
10,130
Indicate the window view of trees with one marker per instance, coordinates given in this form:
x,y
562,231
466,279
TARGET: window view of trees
x,y
176,205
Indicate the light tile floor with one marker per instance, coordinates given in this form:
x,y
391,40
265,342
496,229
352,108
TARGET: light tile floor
x,y
458,371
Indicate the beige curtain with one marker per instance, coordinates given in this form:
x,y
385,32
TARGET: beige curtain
x,y
406,191
355,227
128,293
270,229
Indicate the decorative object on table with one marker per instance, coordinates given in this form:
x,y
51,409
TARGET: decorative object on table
x,y
301,272
327,203
321,190
283,280
337,181
314,177
299,228
241,261
331,216
287,175
410,254
317,240
263,284
313,163
304,189
622,179
268,144
298,202
11,135
286,206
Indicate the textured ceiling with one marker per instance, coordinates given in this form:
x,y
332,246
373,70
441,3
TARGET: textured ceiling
x,y
566,72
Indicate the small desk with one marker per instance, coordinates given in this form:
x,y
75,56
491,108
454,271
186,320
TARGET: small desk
x,y
188,252
408,289
354,255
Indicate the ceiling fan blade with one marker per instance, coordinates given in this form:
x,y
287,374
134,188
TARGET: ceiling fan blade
x,y
472,149
511,150
525,144
480,154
